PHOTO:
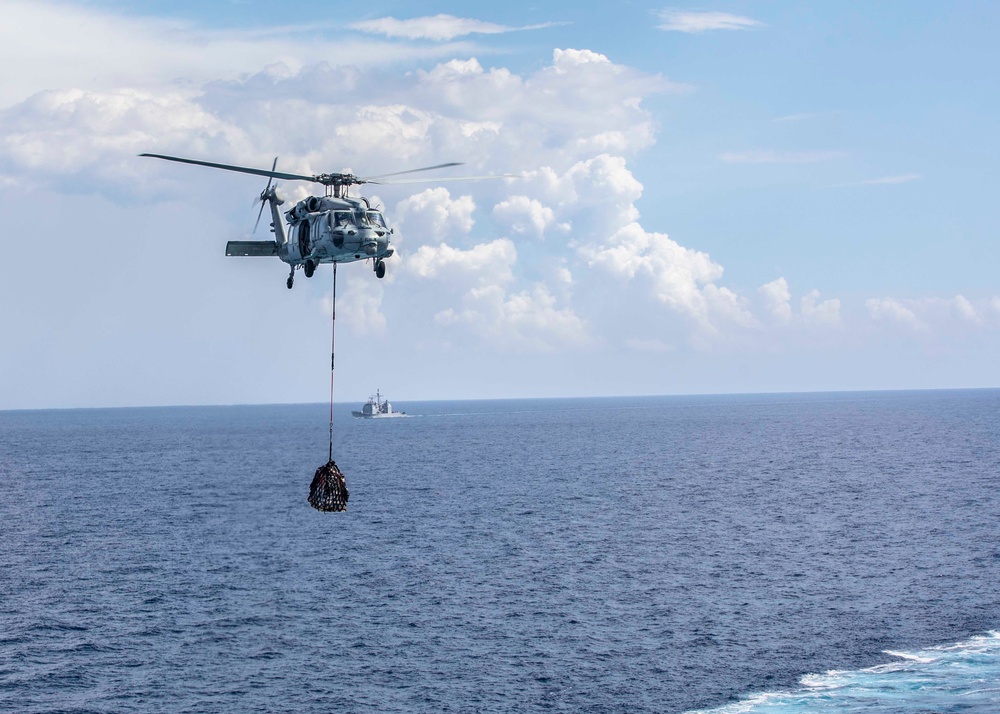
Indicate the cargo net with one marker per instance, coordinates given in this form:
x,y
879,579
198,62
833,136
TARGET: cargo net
x,y
328,490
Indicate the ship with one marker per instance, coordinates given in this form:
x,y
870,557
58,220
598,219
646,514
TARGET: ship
x,y
376,408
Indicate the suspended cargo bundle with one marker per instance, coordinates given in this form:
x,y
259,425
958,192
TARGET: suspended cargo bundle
x,y
328,491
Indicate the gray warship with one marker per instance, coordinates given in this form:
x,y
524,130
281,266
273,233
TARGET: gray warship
x,y
376,408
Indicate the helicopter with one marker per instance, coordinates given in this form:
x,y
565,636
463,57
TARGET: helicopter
x,y
333,228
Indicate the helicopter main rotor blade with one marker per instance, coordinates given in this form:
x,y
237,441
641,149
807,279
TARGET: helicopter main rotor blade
x,y
371,179
439,180
241,169
335,179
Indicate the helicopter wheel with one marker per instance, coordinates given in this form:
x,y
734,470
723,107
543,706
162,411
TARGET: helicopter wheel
x,y
290,282
380,269
310,268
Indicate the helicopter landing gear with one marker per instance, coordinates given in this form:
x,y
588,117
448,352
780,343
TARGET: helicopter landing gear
x,y
380,268
291,278
310,268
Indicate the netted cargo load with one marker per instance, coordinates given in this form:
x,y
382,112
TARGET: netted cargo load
x,y
328,491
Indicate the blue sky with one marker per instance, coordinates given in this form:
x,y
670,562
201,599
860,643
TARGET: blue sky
x,y
737,197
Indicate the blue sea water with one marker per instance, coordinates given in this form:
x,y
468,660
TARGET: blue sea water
x,y
778,553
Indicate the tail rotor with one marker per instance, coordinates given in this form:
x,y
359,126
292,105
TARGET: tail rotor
x,y
265,195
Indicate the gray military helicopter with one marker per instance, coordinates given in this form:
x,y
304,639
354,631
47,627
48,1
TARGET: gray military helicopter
x,y
334,228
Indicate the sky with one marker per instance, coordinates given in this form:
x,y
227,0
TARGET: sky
x,y
716,198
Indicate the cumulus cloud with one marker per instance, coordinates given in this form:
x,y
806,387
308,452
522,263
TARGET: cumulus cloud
x,y
601,193
526,216
594,196
529,320
82,47
436,27
692,21
777,300
893,310
526,321
489,264
964,309
680,278
581,104
435,215
321,118
359,307
776,297
814,311
64,132
926,315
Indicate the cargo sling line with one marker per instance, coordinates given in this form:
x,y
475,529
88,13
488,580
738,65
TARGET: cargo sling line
x,y
328,490
333,344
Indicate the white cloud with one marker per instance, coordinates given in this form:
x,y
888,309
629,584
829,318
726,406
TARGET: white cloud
x,y
65,132
321,118
815,312
692,21
526,321
434,215
680,278
927,315
436,27
893,310
580,103
64,46
777,299
487,264
359,307
526,216
764,156
964,309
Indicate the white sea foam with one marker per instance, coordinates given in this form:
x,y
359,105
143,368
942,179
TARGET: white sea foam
x,y
941,678
910,656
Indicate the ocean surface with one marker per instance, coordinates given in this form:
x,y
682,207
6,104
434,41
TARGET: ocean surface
x,y
778,553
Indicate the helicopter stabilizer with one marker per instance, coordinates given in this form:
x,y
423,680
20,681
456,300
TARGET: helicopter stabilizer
x,y
244,248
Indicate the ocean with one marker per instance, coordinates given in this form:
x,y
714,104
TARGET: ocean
x,y
757,553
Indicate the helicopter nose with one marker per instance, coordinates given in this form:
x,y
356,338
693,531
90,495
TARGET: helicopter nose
x,y
369,241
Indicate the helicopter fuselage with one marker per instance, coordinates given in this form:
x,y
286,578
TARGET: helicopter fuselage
x,y
333,230
330,229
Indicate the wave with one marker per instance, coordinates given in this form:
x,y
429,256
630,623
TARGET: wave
x,y
964,676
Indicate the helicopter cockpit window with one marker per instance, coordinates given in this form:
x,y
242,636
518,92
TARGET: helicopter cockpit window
x,y
375,219
342,219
